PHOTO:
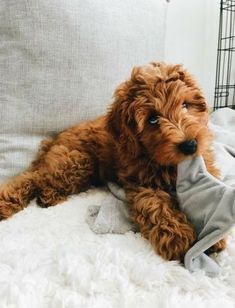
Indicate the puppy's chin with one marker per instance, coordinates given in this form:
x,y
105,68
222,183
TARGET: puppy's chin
x,y
174,159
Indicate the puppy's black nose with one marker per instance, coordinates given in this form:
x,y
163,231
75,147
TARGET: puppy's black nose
x,y
188,147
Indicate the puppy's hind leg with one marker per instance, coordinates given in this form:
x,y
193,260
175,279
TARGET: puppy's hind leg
x,y
64,172
56,173
16,194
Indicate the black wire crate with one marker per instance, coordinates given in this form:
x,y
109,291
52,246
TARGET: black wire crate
x,y
225,69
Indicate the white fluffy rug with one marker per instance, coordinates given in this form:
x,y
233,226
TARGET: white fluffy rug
x,y
49,258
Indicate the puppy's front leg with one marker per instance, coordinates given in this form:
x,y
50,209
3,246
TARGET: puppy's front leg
x,y
163,225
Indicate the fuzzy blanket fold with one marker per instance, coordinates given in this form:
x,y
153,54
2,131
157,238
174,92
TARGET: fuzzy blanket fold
x,y
210,205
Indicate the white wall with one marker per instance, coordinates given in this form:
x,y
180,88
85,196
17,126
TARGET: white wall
x,y
191,39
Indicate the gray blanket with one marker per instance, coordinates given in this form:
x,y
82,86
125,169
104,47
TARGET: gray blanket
x,y
208,203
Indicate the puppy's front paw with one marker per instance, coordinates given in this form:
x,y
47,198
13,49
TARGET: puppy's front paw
x,y
172,243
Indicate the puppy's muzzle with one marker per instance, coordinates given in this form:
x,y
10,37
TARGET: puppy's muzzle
x,y
188,147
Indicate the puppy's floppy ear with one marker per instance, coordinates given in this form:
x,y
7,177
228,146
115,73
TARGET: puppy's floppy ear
x,y
120,113
120,121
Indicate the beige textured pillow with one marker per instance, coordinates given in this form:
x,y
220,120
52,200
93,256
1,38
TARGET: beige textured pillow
x,y
60,61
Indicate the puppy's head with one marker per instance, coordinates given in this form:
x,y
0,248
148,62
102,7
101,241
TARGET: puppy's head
x,y
160,112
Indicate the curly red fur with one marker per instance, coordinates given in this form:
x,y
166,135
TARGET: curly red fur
x,y
124,146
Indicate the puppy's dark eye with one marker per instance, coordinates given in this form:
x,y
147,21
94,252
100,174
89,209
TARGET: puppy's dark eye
x,y
154,119
185,105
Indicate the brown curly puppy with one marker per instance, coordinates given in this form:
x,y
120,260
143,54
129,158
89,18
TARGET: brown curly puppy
x,y
158,117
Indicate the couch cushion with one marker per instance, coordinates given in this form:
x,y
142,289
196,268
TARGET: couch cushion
x,y
60,61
